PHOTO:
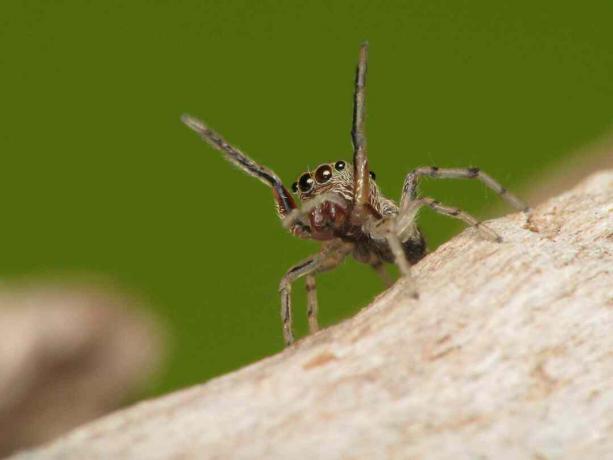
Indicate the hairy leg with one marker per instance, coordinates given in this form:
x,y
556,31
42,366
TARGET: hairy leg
x,y
409,189
312,305
330,256
405,219
284,202
361,173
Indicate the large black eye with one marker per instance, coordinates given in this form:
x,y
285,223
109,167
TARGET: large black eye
x,y
373,176
339,165
305,183
323,174
295,187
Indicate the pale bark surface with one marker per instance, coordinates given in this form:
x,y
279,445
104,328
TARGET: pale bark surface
x,y
507,354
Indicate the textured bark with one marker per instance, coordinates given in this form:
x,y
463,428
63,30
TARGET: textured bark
x,y
507,354
68,354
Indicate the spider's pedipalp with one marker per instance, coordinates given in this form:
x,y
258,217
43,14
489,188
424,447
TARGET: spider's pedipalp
x,y
300,213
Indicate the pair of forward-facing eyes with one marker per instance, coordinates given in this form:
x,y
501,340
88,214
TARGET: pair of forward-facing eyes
x,y
322,175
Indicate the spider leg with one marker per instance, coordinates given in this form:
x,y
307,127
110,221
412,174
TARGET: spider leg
x,y
283,199
379,267
406,218
331,255
385,228
409,189
363,212
361,178
312,305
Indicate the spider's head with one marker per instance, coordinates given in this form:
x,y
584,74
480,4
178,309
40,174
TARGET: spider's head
x,y
327,196
328,177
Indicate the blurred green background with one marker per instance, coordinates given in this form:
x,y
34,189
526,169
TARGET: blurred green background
x,y
99,175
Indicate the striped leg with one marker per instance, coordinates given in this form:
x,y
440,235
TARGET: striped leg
x,y
329,257
409,212
312,305
284,202
409,190
361,174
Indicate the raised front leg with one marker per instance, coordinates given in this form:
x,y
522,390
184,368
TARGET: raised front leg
x,y
363,214
330,256
361,173
409,189
284,202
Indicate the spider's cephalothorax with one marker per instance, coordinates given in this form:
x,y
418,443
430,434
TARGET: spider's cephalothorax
x,y
327,194
328,219
342,207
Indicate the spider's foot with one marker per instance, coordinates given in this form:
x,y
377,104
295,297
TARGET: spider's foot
x,y
411,285
288,338
488,233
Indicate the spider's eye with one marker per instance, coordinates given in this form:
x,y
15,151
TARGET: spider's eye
x,y
295,187
373,176
339,165
305,183
323,174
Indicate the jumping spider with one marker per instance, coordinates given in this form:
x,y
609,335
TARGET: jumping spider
x,y
343,208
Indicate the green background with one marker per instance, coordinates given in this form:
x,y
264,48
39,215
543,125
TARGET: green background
x,y
100,177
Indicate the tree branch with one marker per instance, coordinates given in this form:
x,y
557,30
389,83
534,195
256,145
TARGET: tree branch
x,y
507,354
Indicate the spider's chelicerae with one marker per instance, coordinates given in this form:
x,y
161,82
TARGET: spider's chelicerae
x,y
343,208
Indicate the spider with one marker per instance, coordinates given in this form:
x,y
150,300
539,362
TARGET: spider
x,y
343,208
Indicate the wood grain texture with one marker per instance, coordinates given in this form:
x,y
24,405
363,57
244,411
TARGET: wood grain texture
x,y
507,354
